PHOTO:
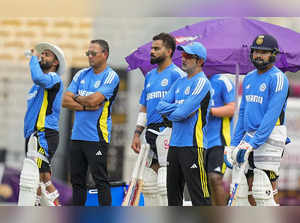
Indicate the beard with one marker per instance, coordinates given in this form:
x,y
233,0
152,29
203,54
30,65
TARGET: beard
x,y
157,60
45,65
260,64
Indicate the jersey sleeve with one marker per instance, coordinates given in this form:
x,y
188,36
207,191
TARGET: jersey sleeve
x,y
166,104
228,90
279,92
110,83
239,131
143,95
73,87
192,102
39,77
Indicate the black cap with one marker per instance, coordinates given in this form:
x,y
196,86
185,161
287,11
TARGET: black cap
x,y
265,42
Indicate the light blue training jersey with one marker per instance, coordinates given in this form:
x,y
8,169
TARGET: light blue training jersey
x,y
43,100
156,86
262,106
219,129
94,125
187,105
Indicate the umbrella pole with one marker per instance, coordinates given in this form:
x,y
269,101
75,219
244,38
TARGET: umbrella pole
x,y
237,87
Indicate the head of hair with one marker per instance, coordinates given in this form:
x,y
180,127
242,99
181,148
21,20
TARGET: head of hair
x,y
102,43
168,41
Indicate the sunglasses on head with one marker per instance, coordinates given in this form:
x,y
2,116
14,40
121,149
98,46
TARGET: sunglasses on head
x,y
189,56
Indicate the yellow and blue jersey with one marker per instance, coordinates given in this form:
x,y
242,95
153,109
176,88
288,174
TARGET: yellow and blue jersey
x,y
263,106
43,101
219,129
156,86
94,125
187,105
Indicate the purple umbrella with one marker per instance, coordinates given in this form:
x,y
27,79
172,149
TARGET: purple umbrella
x,y
227,42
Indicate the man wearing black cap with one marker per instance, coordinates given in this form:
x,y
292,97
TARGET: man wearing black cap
x,y
260,135
187,106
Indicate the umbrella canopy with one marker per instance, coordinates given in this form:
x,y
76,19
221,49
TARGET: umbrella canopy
x,y
228,44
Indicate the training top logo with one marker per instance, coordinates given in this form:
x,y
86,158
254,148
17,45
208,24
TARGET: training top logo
x,y
82,81
97,84
248,86
164,82
148,85
177,91
262,87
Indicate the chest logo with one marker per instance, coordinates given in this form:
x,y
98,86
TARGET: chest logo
x,y
177,91
148,85
187,90
97,84
248,86
164,82
82,81
262,87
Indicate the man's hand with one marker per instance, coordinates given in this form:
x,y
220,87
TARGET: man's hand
x,y
136,143
228,156
92,108
241,153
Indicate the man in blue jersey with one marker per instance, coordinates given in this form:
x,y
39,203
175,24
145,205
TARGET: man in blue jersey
x,y
41,125
261,134
91,94
157,83
219,127
187,105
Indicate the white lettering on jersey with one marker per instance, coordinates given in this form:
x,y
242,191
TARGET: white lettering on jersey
x,y
227,83
31,95
156,94
85,93
280,81
179,101
199,86
254,98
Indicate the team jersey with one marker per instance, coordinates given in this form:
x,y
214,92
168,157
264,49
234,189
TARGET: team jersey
x,y
156,86
219,129
94,125
187,104
43,101
263,106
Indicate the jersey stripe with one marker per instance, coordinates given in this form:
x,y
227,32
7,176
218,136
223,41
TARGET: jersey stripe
x,y
280,80
199,130
103,121
226,130
227,83
110,77
199,86
42,115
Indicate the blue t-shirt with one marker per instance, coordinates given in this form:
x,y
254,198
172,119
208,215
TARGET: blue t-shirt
x,y
187,105
94,125
219,129
156,86
262,106
43,101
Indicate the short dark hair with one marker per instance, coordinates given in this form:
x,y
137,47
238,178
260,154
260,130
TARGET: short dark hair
x,y
103,44
168,41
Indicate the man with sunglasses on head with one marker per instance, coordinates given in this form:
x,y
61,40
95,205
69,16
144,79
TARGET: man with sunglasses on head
x,y
91,94
157,82
187,105
41,125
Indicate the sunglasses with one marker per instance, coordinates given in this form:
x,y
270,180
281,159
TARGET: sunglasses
x,y
189,56
92,53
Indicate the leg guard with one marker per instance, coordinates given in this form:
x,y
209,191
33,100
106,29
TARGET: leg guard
x,y
162,186
29,183
242,193
150,187
262,189
162,146
47,199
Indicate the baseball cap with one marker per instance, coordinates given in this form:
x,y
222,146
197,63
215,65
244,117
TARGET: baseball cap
x,y
194,48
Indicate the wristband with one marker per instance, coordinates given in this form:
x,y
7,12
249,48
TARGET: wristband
x,y
139,132
75,97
